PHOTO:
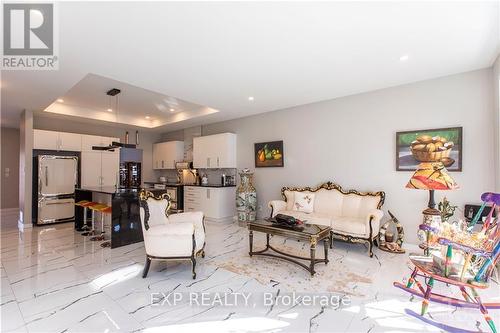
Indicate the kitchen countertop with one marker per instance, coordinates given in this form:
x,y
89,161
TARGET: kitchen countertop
x,y
165,183
172,184
212,185
106,189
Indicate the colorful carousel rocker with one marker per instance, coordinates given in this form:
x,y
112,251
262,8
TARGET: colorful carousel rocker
x,y
460,257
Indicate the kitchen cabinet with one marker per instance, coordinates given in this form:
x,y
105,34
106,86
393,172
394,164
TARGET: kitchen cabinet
x,y
216,203
110,166
215,151
99,168
52,140
166,154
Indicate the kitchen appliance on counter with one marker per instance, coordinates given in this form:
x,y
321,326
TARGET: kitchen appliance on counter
x,y
185,173
54,181
227,180
175,191
130,168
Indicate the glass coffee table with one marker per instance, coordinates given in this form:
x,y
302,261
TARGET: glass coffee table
x,y
311,233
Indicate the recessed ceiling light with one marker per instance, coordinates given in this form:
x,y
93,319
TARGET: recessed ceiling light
x,y
251,98
147,117
109,110
60,100
404,58
172,110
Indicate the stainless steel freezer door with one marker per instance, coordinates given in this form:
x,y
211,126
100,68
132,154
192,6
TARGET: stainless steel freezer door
x,y
57,175
52,210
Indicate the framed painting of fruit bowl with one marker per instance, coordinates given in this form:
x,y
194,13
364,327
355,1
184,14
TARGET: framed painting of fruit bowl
x,y
433,145
269,154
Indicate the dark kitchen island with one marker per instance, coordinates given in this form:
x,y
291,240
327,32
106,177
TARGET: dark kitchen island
x,y
123,227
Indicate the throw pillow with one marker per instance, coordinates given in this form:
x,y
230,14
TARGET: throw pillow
x,y
303,202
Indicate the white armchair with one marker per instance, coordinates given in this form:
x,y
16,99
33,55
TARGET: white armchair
x,y
178,236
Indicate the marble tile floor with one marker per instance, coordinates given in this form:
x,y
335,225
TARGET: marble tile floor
x,y
55,280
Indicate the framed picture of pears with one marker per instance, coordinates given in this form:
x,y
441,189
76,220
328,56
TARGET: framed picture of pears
x,y
433,145
269,154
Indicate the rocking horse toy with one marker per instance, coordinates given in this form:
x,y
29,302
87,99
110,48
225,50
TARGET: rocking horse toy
x,y
458,257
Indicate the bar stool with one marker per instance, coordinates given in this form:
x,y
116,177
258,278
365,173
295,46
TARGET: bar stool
x,y
100,208
84,204
94,208
107,210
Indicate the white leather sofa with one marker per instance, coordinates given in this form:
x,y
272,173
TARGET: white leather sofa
x,y
175,236
353,216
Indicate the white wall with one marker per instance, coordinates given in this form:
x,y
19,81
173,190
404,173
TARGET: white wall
x,y
9,168
25,168
351,141
496,101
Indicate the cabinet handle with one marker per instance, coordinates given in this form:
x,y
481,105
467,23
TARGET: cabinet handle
x,y
162,164
46,176
217,161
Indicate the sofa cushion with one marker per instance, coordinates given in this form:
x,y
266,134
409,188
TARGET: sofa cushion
x,y
328,202
313,218
303,202
353,226
176,229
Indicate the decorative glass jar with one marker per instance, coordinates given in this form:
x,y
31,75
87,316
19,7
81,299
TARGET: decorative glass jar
x,y
246,198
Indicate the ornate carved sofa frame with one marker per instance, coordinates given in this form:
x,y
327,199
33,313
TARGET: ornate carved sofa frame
x,y
353,216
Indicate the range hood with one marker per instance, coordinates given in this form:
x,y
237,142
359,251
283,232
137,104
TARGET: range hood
x,y
115,145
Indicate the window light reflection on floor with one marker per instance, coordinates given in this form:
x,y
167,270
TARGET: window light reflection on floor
x,y
252,324
116,276
293,315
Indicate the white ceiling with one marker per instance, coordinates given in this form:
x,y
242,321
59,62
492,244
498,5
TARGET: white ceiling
x,y
217,54
132,106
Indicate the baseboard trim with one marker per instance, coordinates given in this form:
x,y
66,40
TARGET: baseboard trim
x,y
21,226
224,220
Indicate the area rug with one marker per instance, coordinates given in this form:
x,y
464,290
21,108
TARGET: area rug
x,y
336,277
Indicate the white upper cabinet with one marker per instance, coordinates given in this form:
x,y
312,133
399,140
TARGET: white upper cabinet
x,y
52,140
70,141
45,139
215,151
166,154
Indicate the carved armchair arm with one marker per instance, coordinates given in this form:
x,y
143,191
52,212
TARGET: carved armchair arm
x,y
277,206
196,219
373,221
191,217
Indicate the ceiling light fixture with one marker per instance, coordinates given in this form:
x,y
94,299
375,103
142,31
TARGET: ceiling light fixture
x,y
404,58
147,117
60,100
114,144
172,110
251,98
